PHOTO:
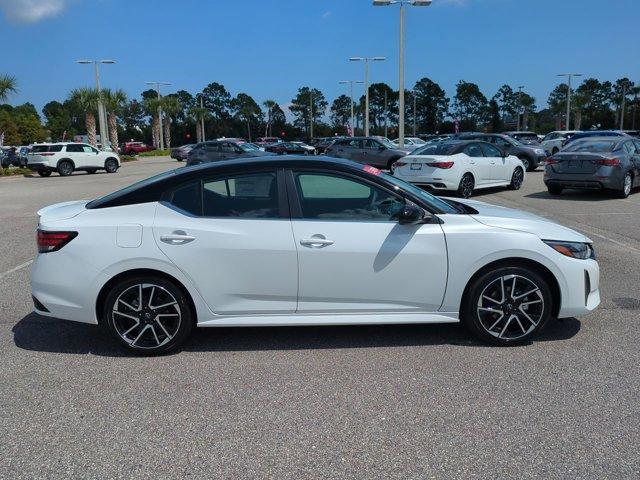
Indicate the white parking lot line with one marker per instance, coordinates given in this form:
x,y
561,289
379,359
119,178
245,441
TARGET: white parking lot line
x,y
15,269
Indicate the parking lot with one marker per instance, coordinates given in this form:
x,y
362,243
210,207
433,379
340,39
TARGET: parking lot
x,y
323,402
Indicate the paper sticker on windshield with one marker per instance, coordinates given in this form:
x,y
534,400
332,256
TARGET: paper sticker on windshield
x,y
372,170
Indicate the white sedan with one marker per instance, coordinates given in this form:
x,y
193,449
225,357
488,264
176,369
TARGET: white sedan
x,y
301,240
462,166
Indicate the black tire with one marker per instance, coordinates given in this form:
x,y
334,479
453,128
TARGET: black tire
x,y
513,320
467,184
148,336
528,163
554,189
111,165
555,150
516,179
44,173
390,164
627,186
91,171
65,168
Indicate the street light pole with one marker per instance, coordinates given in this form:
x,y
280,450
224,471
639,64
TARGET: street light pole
x,y
350,83
386,113
366,61
160,133
414,112
310,114
102,114
520,87
202,118
569,75
415,3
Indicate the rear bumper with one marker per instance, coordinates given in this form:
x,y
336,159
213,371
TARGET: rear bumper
x,y
38,166
591,182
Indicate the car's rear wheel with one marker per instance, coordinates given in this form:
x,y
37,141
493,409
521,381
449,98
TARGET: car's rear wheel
x,y
65,168
467,184
111,165
148,315
507,306
44,173
516,179
554,189
627,185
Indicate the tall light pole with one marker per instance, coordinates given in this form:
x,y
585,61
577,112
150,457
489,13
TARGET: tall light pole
x,y
569,75
386,114
520,87
366,61
414,112
415,3
102,114
202,117
310,114
161,134
350,83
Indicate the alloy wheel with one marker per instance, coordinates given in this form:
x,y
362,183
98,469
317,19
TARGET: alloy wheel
x,y
510,307
516,179
627,184
146,316
466,186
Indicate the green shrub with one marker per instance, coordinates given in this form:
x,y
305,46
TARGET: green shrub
x,y
127,158
7,172
155,153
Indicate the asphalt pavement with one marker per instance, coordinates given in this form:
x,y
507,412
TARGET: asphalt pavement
x,y
388,402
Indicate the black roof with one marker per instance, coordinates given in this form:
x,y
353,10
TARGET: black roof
x,y
152,189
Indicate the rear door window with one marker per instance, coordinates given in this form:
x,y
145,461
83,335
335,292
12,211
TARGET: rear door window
x,y
75,148
242,196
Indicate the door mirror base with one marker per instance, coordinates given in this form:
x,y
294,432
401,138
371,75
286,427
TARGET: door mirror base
x,y
413,215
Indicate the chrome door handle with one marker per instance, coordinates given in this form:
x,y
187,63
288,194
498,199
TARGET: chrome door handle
x,y
177,238
315,242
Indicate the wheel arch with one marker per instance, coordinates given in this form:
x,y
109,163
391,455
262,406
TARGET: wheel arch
x,y
110,158
66,159
539,268
104,291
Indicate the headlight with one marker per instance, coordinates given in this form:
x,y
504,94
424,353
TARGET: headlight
x,y
540,151
579,250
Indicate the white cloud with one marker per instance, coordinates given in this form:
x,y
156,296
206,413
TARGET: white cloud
x,y
31,11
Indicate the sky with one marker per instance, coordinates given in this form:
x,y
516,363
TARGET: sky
x,y
270,48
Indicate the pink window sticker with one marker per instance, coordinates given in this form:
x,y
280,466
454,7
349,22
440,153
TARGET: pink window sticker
x,y
372,170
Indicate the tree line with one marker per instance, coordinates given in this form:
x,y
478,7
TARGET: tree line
x,y
595,104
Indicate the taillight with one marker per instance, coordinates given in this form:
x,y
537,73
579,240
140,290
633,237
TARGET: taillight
x,y
53,241
550,161
444,165
45,154
398,165
607,162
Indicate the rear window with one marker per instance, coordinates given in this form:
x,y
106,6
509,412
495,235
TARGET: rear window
x,y
591,146
46,148
437,149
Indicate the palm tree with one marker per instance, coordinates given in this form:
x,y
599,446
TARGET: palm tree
x,y
7,86
269,104
114,101
151,109
170,107
199,115
86,99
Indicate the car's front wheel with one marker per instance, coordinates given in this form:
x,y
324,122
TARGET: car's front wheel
x,y
148,315
526,161
507,306
111,165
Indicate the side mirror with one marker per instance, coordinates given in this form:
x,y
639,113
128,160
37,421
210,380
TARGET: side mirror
x,y
411,215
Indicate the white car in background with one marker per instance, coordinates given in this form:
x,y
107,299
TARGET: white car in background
x,y
462,166
410,143
553,141
67,157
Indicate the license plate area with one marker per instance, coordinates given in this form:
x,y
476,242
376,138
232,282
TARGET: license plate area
x,y
416,166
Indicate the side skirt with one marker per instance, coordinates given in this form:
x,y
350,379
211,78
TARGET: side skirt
x,y
329,319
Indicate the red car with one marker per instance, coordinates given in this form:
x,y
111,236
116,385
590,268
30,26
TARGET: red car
x,y
134,148
263,141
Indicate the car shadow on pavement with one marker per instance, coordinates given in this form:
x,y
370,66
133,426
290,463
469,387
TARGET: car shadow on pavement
x,y
575,195
44,334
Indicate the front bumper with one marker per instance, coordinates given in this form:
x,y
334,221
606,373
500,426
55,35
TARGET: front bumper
x,y
581,293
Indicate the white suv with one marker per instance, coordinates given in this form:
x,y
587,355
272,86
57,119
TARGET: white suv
x,y
66,157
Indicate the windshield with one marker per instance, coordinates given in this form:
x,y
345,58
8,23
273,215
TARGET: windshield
x,y
435,149
248,147
591,146
434,202
387,143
